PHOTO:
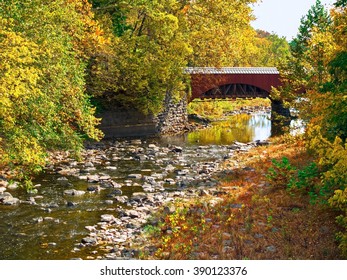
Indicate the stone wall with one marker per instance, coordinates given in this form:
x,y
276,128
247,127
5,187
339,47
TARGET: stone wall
x,y
119,123
174,119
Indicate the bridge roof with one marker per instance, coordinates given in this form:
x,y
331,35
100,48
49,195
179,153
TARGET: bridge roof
x,y
231,70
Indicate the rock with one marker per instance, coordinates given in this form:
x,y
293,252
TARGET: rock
x,y
147,187
271,249
109,202
13,186
139,197
5,195
38,220
133,214
262,143
90,228
141,157
135,176
93,178
115,192
11,201
89,241
79,193
29,201
121,199
110,184
119,240
105,177
177,149
170,181
89,164
68,171
112,168
2,190
107,218
183,172
152,146
74,192
71,204
93,188
3,183
53,205
234,147
136,142
169,168
62,179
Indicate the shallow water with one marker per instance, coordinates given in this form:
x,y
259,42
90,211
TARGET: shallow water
x,y
51,229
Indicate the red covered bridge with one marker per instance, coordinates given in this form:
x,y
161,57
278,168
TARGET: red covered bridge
x,y
232,82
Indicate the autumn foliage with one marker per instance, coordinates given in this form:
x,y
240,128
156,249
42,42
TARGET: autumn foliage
x,y
42,80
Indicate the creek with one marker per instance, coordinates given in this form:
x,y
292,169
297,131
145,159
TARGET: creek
x,y
118,183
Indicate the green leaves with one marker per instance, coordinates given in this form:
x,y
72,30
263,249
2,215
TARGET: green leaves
x,y
44,47
147,57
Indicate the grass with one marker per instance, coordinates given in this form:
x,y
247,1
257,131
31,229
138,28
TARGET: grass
x,y
251,218
215,109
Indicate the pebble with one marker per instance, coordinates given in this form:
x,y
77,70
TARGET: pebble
x,y
3,183
112,168
74,192
271,249
13,186
107,218
89,240
173,169
135,176
7,199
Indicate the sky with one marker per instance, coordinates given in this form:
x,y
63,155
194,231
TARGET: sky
x,y
283,16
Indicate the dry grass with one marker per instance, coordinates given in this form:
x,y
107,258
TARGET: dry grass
x,y
252,220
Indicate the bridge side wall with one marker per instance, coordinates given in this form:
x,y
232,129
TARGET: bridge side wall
x,y
202,83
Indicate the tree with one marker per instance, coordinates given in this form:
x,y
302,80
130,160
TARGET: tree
x,y
42,84
273,50
150,51
220,33
307,51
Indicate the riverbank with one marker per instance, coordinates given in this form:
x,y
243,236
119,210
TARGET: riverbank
x,y
96,208
151,198
249,217
233,213
119,234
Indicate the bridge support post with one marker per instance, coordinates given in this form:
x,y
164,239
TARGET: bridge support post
x,y
280,118
174,118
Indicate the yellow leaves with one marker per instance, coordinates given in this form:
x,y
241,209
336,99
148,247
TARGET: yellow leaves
x,y
220,33
42,72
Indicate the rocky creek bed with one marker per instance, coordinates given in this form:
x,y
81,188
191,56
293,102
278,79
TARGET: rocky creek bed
x,y
130,180
97,208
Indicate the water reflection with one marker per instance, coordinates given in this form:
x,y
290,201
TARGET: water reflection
x,y
242,128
